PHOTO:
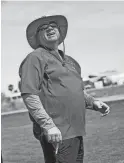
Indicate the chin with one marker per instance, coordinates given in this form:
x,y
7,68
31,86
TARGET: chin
x,y
52,39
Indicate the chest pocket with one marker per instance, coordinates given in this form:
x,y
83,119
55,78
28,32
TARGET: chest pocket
x,y
75,67
70,64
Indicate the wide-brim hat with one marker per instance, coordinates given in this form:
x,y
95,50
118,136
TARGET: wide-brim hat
x,y
32,28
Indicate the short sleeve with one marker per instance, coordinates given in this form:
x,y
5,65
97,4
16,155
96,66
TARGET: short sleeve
x,y
31,73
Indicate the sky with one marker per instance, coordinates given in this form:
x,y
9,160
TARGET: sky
x,y
95,35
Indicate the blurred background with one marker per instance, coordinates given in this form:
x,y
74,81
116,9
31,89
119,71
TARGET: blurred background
x,y
95,39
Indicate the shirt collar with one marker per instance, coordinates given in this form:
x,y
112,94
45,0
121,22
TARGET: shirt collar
x,y
60,56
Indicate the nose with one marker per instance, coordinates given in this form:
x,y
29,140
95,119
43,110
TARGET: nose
x,y
49,28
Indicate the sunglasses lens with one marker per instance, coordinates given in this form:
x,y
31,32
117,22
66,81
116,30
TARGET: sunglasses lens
x,y
45,26
53,25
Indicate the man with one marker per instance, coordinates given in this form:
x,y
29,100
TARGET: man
x,y
52,89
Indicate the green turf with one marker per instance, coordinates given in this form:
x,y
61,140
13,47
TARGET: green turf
x,y
104,142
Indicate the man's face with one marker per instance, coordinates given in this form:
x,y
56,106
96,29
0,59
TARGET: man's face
x,y
49,32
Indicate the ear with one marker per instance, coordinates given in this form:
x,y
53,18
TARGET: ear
x,y
41,38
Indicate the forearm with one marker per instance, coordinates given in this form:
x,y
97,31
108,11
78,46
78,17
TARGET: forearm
x,y
37,111
89,101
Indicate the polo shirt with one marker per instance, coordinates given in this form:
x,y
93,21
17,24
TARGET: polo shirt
x,y
59,85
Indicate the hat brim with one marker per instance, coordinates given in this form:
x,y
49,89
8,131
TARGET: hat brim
x,y
32,28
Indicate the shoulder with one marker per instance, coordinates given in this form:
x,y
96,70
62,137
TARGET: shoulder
x,y
34,56
38,54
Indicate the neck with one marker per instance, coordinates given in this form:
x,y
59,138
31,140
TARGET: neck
x,y
52,46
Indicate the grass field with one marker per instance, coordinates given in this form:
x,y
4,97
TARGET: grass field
x,y
107,91
104,142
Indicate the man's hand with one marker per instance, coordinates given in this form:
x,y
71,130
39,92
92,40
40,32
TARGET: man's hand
x,y
101,107
53,135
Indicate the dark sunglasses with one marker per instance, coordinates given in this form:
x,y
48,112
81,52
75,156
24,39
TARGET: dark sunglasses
x,y
45,26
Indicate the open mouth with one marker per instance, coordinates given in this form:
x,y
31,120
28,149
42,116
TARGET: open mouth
x,y
50,33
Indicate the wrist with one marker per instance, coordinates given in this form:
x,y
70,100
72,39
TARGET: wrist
x,y
47,127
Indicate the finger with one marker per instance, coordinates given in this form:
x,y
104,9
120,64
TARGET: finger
x,y
108,109
104,104
102,115
53,138
49,138
106,113
105,108
57,138
60,138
